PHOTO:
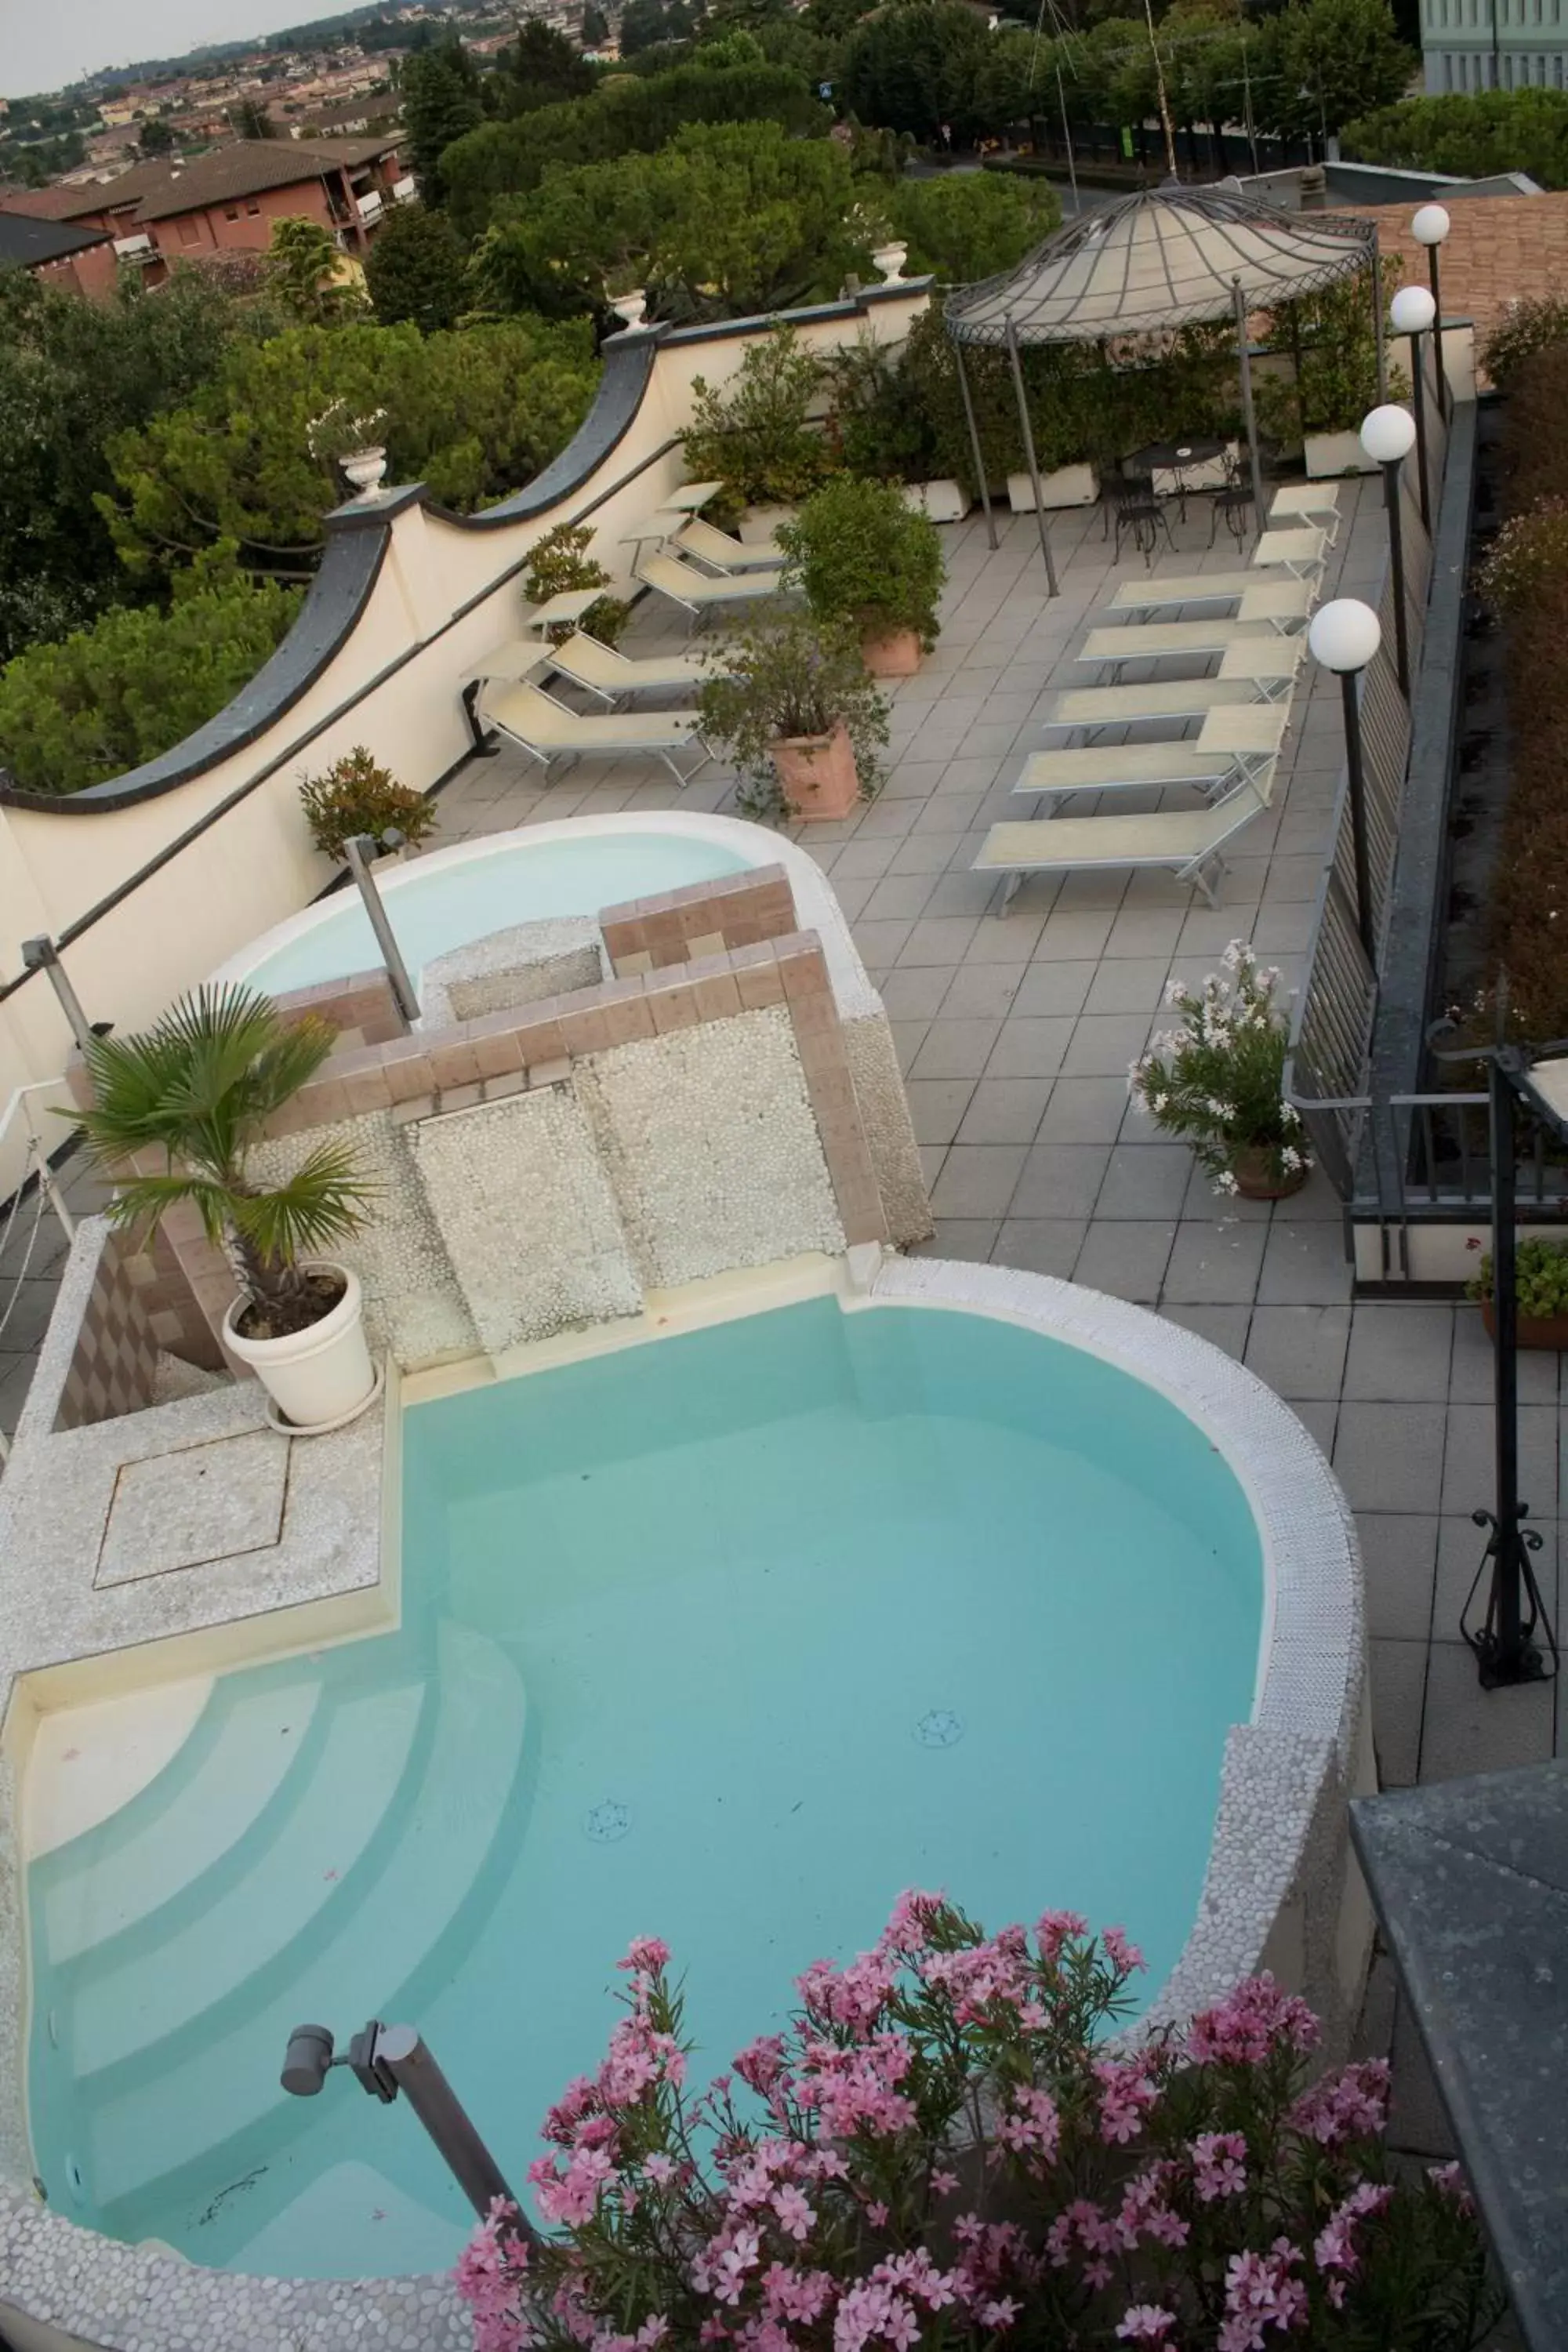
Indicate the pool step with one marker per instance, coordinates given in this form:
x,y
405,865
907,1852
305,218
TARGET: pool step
x,y
181,1825
169,1983
198,2090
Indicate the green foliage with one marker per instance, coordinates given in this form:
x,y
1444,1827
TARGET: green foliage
x,y
1541,1279
595,27
302,271
728,220
539,68
137,682
1218,1079
475,414
1333,346
200,1087
626,116
1530,551
969,224
414,270
865,559
441,100
357,794
916,65
753,435
1527,326
645,23
788,676
157,137
1320,65
877,424
558,564
72,373
1471,134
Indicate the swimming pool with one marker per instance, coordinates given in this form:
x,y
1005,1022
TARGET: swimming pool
x,y
455,896
727,1637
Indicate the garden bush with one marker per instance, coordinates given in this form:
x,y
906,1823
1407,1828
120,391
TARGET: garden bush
x,y
943,2150
1527,915
1534,441
1528,325
356,794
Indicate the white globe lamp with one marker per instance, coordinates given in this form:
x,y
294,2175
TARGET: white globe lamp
x,y
1430,225
1388,433
1429,228
1343,636
1388,436
1412,310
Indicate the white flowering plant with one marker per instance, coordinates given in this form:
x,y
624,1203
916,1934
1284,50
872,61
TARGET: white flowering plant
x,y
1218,1079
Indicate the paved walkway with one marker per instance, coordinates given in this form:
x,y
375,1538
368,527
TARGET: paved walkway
x,y
1015,1032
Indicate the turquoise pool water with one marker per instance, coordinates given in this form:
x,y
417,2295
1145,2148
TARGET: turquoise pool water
x,y
727,1638
433,911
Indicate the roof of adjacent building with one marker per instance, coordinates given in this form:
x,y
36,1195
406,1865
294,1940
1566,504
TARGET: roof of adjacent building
x,y
1498,249
157,190
27,243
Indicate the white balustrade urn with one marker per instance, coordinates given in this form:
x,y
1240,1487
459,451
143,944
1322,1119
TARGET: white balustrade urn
x,y
365,469
890,259
629,309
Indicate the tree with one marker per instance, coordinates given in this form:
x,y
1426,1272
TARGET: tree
x,y
967,226
474,415
415,270
626,116
595,27
138,681
1321,65
730,218
917,66
541,67
72,371
1471,135
250,120
440,101
303,263
157,137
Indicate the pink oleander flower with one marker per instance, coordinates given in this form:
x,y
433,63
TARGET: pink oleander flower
x,y
761,2063
1219,2165
1350,2105
945,2184
1031,2125
645,1955
1449,2181
1145,2323
488,2278
1123,1955
1251,2025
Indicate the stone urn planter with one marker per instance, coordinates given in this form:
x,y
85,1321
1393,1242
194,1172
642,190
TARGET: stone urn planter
x,y
817,775
891,652
365,469
1252,1166
320,1377
1547,1332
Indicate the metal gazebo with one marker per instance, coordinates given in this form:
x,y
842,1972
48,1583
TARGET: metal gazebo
x,y
1169,256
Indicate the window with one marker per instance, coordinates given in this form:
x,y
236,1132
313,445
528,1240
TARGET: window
x,y
1447,70
252,207
190,230
1557,70
231,212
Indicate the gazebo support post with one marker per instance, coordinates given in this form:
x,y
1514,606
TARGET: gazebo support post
x,y
975,442
1030,458
1243,356
1377,326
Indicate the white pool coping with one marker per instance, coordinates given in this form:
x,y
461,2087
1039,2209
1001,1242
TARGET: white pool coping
x,y
1297,1747
755,844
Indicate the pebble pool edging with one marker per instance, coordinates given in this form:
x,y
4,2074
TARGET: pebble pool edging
x,y
1279,1826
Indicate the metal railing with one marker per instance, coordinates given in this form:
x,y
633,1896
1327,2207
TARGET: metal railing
x,y
24,1214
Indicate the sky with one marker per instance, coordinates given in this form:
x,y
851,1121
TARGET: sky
x,y
43,46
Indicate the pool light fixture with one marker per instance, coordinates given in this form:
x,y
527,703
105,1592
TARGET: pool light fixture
x,y
384,2059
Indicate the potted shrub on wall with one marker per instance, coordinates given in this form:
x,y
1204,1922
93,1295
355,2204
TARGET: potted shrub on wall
x,y
1219,1081
1332,347
799,718
198,1090
357,794
866,561
1541,1289
558,564
755,435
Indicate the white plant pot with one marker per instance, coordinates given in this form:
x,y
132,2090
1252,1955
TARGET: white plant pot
x,y
316,1378
890,259
1336,452
1069,486
942,501
630,310
365,469
760,523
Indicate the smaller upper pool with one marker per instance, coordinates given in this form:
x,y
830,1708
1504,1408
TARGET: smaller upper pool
x,y
455,896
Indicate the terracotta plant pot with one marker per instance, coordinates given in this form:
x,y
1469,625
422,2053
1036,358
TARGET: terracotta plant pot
x,y
818,774
1253,1169
1548,1332
891,652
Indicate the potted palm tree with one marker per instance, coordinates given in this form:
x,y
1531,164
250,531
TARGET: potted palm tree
x,y
199,1089
865,561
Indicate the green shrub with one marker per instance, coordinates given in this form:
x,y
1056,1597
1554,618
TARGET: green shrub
x,y
1534,443
1529,551
755,435
865,559
560,562
136,683
1333,344
1528,325
1541,1282
971,225
1527,917
1469,133
783,678
357,794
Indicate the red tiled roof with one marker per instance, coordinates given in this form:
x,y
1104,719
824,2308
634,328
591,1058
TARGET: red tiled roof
x,y
162,189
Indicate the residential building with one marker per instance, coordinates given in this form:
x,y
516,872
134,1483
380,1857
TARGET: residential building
x,y
165,211
57,252
1469,45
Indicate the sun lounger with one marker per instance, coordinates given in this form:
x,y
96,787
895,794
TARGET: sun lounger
x,y
710,545
1193,587
695,591
1240,738
1303,551
1261,611
546,729
1315,502
1187,842
613,676
1093,707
